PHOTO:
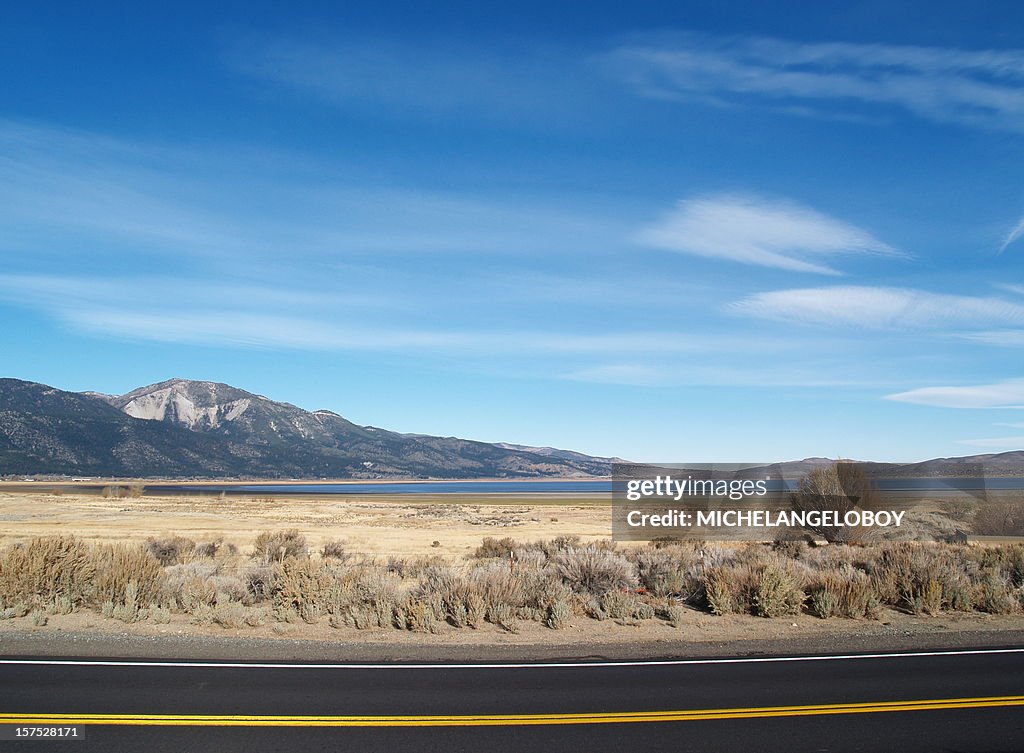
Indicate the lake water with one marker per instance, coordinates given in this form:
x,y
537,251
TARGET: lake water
x,y
407,487
581,486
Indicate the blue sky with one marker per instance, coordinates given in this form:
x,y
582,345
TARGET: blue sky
x,y
668,232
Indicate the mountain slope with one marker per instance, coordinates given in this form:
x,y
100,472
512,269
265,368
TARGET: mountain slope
x,y
45,430
189,428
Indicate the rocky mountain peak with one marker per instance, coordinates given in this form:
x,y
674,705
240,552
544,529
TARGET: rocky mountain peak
x,y
189,403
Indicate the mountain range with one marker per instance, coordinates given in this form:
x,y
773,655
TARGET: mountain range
x,y
193,429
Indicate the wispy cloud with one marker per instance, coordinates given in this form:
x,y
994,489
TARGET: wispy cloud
x,y
1006,443
503,84
183,311
623,373
982,88
1012,237
66,192
1004,338
879,308
763,232
1006,394
240,328
656,371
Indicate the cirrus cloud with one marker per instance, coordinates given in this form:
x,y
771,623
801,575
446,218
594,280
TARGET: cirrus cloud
x,y
763,232
879,308
1005,394
978,88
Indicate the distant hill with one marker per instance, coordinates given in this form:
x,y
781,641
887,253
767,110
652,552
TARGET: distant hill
x,y
191,429
989,465
183,428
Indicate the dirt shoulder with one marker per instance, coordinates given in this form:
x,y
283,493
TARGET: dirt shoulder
x,y
699,635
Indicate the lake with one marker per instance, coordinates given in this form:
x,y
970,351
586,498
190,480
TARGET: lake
x,y
563,486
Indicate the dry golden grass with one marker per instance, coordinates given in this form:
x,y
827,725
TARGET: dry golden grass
x,y
381,526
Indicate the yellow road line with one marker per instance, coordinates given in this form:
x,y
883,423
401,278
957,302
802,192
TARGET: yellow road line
x,y
480,720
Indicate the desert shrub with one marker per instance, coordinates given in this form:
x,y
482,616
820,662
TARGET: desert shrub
x,y
592,570
530,559
118,565
723,592
123,492
491,548
1008,560
824,598
779,593
921,579
857,598
227,612
191,585
364,597
668,609
277,546
661,571
208,549
551,547
203,614
999,518
995,595
843,592
39,618
545,593
170,550
504,616
20,609
717,555
593,608
834,556
788,544
729,589
258,580
287,614
625,605
233,586
159,615
559,613
422,616
128,609
839,487
335,549
497,585
413,567
45,570
60,605
255,617
303,585
399,566
959,508
920,526
451,590
643,611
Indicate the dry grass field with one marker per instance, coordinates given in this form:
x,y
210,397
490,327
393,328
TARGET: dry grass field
x,y
371,525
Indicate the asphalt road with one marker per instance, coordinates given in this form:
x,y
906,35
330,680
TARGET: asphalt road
x,y
938,701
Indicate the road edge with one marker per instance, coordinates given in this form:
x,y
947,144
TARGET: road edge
x,y
127,646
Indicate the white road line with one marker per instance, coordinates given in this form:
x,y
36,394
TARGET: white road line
x,y
524,665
